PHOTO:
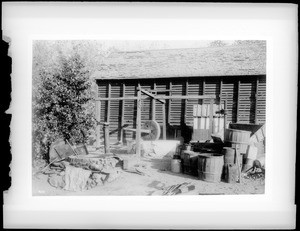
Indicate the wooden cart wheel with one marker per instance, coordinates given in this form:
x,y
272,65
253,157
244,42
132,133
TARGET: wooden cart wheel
x,y
154,127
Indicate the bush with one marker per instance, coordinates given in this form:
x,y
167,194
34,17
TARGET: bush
x,y
61,102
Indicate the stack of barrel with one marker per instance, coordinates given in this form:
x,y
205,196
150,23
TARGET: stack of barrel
x,y
225,163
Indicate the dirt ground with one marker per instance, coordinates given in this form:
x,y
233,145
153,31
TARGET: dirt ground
x,y
157,177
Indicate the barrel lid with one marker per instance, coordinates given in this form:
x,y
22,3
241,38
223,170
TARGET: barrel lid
x,y
238,130
209,154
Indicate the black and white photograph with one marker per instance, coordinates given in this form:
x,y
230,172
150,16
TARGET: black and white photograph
x,y
148,117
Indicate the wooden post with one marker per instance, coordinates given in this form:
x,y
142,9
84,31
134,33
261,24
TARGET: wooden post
x,y
211,116
164,121
220,105
186,100
225,115
98,114
106,138
138,124
153,104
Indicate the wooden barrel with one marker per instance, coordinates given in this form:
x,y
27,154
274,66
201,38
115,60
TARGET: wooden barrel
x,y
229,155
190,163
230,173
250,157
237,138
185,147
210,166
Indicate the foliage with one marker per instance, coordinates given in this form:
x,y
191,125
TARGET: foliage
x,y
249,42
61,97
217,43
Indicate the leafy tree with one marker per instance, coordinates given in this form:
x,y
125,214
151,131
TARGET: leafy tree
x,y
61,97
249,42
217,43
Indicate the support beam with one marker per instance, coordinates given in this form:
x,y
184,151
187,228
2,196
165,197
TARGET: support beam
x,y
211,104
225,114
163,97
98,118
151,95
220,104
164,121
153,109
185,101
138,124
106,138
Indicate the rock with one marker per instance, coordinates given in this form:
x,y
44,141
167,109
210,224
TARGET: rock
x,y
98,178
56,181
96,167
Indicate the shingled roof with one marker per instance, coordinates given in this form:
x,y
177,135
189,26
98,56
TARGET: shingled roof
x,y
208,61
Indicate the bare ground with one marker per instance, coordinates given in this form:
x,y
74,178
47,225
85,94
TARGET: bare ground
x,y
156,178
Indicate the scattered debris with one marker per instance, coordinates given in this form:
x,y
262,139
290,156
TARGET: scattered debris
x,y
57,181
211,193
256,173
112,176
178,189
96,167
76,178
59,150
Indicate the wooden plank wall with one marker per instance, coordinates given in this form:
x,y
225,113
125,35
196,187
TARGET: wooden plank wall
x,y
242,104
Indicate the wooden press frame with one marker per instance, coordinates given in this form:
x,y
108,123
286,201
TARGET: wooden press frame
x,y
139,98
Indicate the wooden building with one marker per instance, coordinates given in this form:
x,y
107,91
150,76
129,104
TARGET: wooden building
x,y
236,74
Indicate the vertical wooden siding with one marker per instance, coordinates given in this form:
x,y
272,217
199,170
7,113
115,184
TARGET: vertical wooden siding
x,y
240,93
